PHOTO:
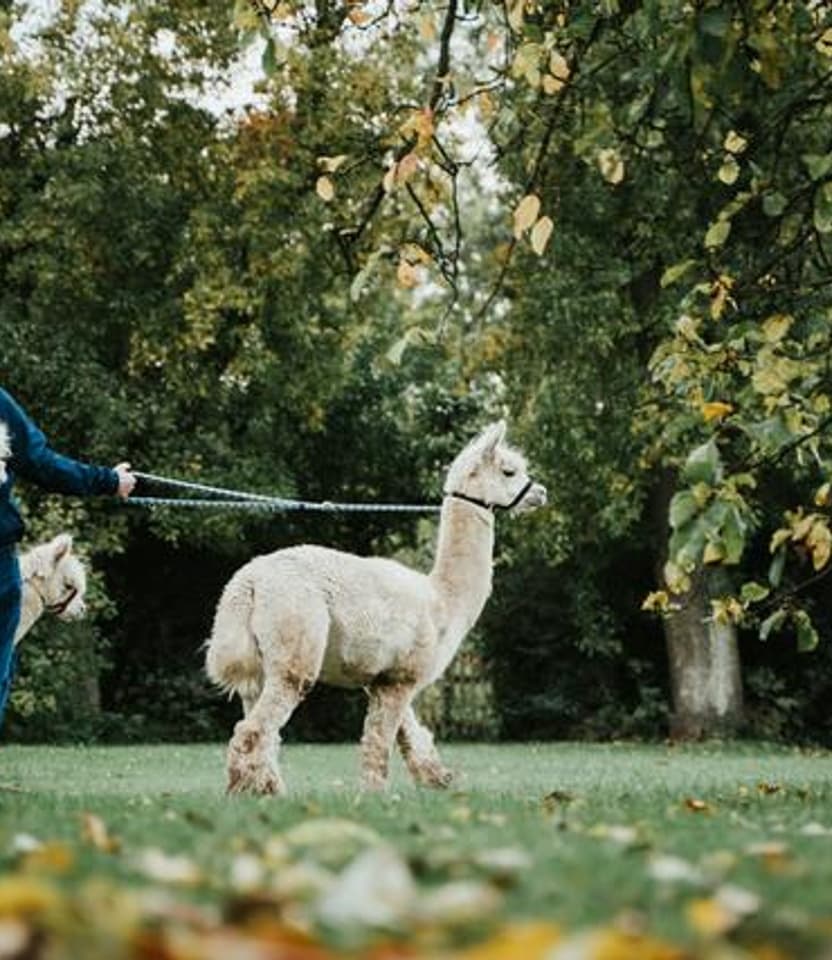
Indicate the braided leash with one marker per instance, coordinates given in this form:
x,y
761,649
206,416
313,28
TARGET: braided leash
x,y
224,498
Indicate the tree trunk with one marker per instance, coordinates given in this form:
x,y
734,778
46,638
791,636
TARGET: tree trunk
x,y
705,675
703,656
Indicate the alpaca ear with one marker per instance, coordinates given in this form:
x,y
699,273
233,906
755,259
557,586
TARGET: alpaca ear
x,y
59,547
492,437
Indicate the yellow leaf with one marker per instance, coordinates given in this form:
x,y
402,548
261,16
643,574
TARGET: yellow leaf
x,y
551,85
331,164
776,327
716,410
526,64
734,142
358,16
24,896
721,295
729,171
427,27
710,918
558,66
611,166
541,232
530,940
612,944
713,554
419,124
526,214
819,542
389,180
95,832
414,254
406,276
325,189
802,526
824,43
406,167
516,10
778,538
823,495
53,857
657,601
717,233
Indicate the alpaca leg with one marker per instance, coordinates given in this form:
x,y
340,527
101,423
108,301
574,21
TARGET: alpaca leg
x,y
252,751
292,656
419,753
386,710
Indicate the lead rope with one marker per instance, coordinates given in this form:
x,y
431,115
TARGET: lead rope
x,y
225,498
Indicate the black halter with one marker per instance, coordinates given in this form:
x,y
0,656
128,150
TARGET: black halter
x,y
492,506
59,607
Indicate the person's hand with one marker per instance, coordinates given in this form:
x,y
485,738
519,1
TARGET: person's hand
x,y
126,480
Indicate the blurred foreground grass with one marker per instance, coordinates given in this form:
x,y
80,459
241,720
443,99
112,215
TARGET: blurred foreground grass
x,y
558,851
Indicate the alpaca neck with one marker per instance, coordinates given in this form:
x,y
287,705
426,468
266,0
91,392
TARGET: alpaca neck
x,y
462,569
31,602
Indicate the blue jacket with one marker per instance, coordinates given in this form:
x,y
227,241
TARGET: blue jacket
x,y
33,460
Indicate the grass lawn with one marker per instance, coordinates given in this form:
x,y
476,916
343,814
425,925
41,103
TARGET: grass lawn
x,y
560,851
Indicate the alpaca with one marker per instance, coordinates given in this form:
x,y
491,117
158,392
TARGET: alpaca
x,y
5,451
308,613
54,581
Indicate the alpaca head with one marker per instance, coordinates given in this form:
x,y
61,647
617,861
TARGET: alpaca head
x,y
59,578
493,474
5,451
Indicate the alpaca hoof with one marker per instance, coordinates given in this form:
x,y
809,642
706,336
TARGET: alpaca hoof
x,y
260,782
373,784
443,779
437,777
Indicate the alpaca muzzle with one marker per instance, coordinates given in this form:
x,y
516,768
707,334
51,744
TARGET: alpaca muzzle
x,y
70,607
532,496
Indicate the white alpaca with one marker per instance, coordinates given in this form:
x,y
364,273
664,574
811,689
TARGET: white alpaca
x,y
54,581
308,613
5,451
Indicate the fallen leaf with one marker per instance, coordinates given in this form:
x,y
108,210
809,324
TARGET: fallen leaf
x,y
176,869
94,831
458,904
523,941
375,891
26,897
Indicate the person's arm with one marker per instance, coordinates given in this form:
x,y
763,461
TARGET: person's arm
x,y
33,459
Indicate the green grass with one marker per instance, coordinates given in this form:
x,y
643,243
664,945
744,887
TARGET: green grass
x,y
592,819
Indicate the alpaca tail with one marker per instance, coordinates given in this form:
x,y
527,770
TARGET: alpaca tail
x,y
232,658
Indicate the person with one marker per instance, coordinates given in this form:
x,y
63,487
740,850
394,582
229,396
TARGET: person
x,y
30,456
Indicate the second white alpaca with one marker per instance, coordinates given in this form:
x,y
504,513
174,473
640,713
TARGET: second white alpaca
x,y
54,581
306,614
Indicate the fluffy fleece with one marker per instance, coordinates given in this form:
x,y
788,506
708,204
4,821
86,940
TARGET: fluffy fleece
x,y
308,613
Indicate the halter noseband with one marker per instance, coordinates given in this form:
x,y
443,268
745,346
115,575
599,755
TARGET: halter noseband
x,y
492,506
56,608
59,607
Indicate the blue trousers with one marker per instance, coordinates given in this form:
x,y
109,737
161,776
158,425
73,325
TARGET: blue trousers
x,y
10,590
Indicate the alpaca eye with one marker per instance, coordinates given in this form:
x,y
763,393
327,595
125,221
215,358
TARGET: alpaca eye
x,y
508,472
